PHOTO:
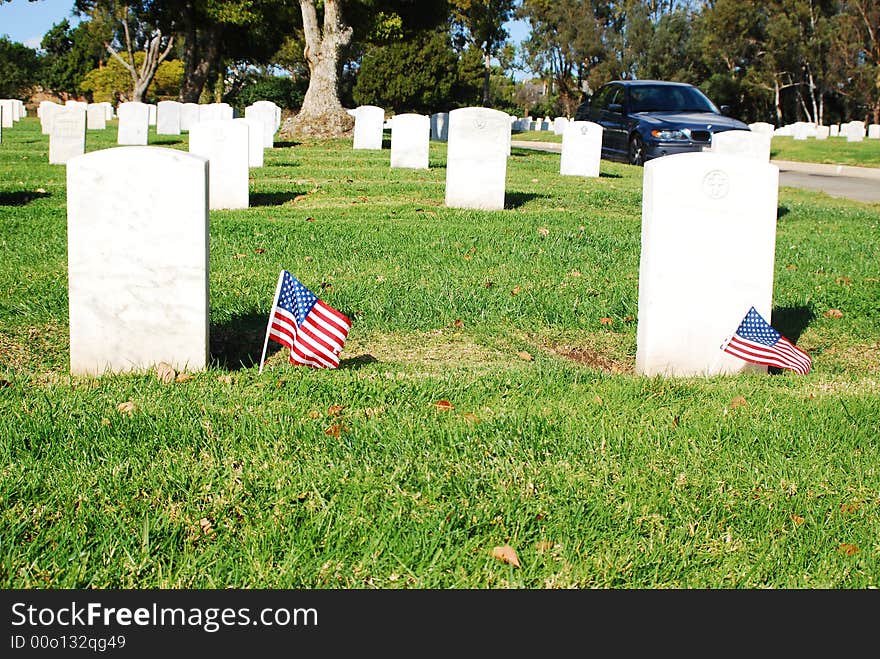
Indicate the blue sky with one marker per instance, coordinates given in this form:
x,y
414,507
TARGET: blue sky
x,y
27,22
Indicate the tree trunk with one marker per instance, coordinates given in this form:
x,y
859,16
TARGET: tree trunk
x,y
488,64
322,114
201,53
777,101
153,57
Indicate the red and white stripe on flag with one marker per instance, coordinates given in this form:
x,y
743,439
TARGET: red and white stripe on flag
x,y
318,341
783,354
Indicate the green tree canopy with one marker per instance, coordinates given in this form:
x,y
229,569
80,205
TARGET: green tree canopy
x,y
18,68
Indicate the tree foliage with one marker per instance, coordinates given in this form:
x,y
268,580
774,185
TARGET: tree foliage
x,y
18,68
68,55
112,82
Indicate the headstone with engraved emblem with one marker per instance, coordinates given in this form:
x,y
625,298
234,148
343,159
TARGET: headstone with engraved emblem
x,y
476,158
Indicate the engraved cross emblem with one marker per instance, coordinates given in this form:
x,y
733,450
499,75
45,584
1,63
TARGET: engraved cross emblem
x,y
716,184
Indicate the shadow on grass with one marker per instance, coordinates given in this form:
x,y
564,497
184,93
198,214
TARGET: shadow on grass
x,y
782,211
791,321
357,362
165,141
284,145
607,175
20,198
238,343
273,198
517,199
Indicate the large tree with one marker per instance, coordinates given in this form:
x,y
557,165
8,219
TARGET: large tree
x,y
481,22
68,55
18,68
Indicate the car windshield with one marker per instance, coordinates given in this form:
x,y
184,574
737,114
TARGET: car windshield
x,y
668,98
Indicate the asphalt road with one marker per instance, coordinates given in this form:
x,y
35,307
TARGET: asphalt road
x,y
841,181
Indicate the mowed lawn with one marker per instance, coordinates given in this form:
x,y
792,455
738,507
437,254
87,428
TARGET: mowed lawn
x,y
486,398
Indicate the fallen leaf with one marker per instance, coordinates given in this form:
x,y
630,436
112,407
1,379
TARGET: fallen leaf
x,y
544,231
849,508
843,280
574,273
105,421
543,546
206,526
489,284
506,554
165,372
326,285
739,401
310,219
791,266
335,430
240,256
598,399
515,290
41,191
525,356
458,323
443,405
127,407
470,417
184,377
308,259
797,519
606,321
314,414
848,549
259,250
335,410
628,319
675,421
371,412
467,257
833,313
225,379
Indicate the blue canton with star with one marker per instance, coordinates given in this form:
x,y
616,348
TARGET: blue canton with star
x,y
755,328
296,298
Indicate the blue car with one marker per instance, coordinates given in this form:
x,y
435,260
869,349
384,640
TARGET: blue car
x,y
646,119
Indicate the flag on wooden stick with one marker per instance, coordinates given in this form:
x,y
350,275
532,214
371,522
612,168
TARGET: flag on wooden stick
x,y
757,342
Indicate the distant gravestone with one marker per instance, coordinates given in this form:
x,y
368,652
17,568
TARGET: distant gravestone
x,y
96,117
559,125
799,130
368,127
209,112
255,140
225,145
440,126
68,137
708,245
476,160
134,123
108,110
7,105
137,236
834,130
762,127
47,111
822,132
225,111
855,131
874,131
189,116
168,118
581,149
410,139
746,143
268,113
153,113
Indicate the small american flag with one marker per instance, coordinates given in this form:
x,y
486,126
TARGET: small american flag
x,y
313,331
757,342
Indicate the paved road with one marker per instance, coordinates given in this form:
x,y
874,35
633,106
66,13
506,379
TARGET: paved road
x,y
842,181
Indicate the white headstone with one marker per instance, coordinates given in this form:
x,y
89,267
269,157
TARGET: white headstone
x,y
96,117
743,143
855,131
762,127
559,125
134,123
708,245
153,113
68,137
255,140
108,110
7,105
225,111
834,130
189,116
410,139
268,113
208,112
47,111
822,132
874,131
137,236
476,158
368,127
225,145
168,118
799,130
440,126
581,149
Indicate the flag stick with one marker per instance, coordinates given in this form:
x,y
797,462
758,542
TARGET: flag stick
x,y
269,324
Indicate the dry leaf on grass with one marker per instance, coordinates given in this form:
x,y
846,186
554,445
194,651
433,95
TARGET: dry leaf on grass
x,y
259,250
541,547
526,357
184,377
128,407
515,290
739,401
206,526
489,284
335,430
833,313
335,410
544,231
225,379
848,549
506,554
165,372
843,280
470,417
606,321
797,519
791,266
5,383
314,414
458,322
443,405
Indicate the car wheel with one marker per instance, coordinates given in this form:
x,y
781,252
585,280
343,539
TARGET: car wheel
x,y
636,151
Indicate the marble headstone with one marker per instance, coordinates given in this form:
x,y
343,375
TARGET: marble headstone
x,y
189,116
225,145
476,158
581,149
762,127
8,112
743,143
134,123
440,126
268,113
707,254
153,113
874,131
96,117
255,140
410,138
368,124
137,235
168,118
47,111
834,130
559,125
855,131
68,137
822,132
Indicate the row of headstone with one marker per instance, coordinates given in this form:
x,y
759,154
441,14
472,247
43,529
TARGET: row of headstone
x,y
854,131
12,110
749,143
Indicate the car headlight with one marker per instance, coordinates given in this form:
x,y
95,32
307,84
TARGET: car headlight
x,y
668,135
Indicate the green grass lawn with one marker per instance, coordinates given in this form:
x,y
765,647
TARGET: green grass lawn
x,y
486,398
